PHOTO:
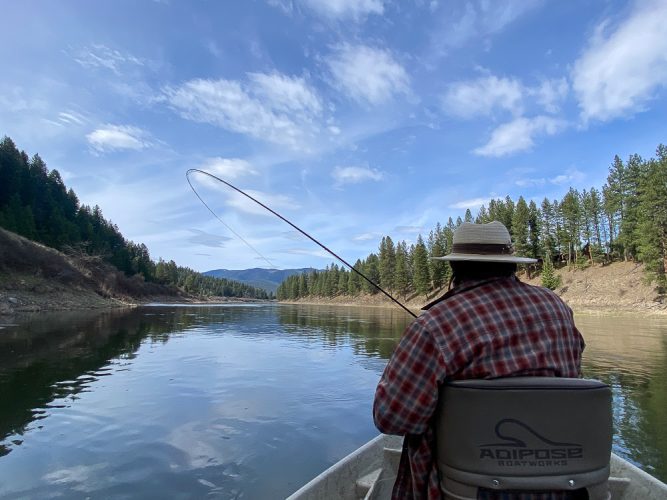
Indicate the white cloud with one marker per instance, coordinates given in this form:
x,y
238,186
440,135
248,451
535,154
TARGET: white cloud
x,y
570,176
285,93
101,56
345,9
518,135
228,168
472,203
409,229
530,182
118,137
71,118
621,70
367,237
462,22
367,74
273,107
355,175
550,94
274,201
207,239
482,96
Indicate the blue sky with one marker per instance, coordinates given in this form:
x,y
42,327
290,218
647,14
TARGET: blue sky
x,y
353,118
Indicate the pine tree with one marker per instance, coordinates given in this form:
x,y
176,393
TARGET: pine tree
x,y
652,243
534,229
570,209
402,281
387,256
549,278
520,228
436,248
422,280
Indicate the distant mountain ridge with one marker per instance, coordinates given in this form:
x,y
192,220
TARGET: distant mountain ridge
x,y
268,279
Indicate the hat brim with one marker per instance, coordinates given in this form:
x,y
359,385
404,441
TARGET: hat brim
x,y
486,258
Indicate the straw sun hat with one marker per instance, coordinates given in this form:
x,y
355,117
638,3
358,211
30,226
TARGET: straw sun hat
x,y
484,243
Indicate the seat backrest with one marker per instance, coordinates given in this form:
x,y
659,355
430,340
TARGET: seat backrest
x,y
524,433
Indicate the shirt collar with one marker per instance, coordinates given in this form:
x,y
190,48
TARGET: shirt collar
x,y
465,286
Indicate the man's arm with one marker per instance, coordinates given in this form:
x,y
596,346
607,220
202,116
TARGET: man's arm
x,y
407,394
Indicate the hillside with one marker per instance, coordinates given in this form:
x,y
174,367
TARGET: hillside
x,y
34,277
619,287
267,279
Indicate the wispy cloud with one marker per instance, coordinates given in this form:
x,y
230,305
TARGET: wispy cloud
x,y
551,93
356,10
101,56
345,9
485,95
207,239
275,201
228,168
471,203
409,229
463,22
72,117
366,74
367,237
118,137
518,135
621,69
569,177
303,251
278,108
482,96
286,93
355,175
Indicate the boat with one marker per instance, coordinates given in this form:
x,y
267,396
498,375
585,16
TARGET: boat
x,y
369,473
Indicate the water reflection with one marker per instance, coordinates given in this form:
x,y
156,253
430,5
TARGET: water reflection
x,y
630,354
241,401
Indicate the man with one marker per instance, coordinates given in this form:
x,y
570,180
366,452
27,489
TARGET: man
x,y
488,325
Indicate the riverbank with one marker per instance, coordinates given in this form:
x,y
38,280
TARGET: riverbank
x,y
35,278
619,287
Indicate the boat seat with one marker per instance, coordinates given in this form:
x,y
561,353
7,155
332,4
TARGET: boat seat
x,y
524,434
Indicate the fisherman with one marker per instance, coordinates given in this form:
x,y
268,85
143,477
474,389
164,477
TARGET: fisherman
x,y
488,325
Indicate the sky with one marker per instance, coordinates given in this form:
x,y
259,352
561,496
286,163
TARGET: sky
x,y
354,119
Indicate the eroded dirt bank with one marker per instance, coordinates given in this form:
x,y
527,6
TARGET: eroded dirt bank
x,y
616,288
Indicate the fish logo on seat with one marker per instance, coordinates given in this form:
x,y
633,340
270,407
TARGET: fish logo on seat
x,y
522,445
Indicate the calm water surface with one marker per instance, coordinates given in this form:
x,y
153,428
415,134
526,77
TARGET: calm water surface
x,y
243,401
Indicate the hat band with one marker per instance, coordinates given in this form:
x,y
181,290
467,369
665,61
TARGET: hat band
x,y
482,248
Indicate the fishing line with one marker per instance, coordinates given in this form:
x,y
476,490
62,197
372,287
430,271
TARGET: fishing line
x,y
187,176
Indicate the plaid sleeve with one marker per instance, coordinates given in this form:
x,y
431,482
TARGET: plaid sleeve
x,y
407,394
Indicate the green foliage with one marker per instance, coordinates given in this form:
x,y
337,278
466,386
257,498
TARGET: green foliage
x,y
36,204
422,278
626,218
549,278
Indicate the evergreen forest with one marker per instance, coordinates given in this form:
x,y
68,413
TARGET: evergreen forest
x,y
625,219
35,203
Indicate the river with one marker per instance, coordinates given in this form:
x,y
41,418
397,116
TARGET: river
x,y
242,401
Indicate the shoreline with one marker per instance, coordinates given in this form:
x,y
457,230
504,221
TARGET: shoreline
x,y
589,310
618,289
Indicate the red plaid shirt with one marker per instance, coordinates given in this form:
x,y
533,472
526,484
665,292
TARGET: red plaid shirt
x,y
480,329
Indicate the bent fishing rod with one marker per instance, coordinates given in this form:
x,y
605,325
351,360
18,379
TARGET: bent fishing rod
x,y
352,268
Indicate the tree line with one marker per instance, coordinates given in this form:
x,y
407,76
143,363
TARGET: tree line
x,y
35,203
625,219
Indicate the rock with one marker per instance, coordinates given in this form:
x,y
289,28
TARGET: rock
x,y
13,300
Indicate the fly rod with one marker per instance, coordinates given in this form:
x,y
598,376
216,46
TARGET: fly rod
x,y
187,176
